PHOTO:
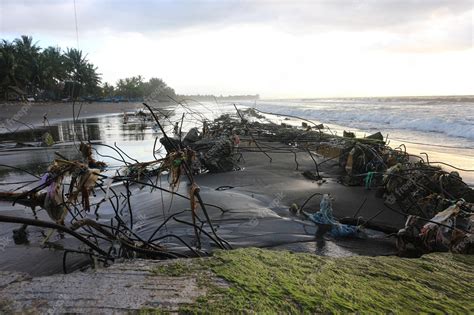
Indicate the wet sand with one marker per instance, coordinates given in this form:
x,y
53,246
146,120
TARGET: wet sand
x,y
32,114
256,214
256,203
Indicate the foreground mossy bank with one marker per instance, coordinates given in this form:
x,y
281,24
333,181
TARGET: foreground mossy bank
x,y
279,281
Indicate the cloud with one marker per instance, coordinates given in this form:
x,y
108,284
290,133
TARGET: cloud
x,y
408,25
275,48
154,16
440,32
248,59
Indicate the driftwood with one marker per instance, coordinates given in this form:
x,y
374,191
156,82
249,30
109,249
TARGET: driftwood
x,y
413,184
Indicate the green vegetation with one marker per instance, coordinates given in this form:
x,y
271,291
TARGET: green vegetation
x,y
25,67
267,281
178,268
27,70
136,87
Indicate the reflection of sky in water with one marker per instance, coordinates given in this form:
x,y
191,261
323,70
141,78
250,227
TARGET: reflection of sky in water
x,y
135,138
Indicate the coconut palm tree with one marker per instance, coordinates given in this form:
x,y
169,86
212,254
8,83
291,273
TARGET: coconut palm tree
x,y
8,66
80,71
27,63
75,64
91,80
52,71
107,90
23,64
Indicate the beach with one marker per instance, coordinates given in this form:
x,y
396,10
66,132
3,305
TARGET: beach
x,y
440,126
412,122
32,113
256,204
249,206
249,157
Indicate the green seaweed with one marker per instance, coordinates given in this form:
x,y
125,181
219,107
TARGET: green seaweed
x,y
176,269
266,281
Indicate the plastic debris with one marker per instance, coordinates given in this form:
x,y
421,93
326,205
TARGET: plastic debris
x,y
449,230
47,139
324,217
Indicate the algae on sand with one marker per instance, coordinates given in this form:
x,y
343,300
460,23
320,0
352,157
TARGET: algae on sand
x,y
280,281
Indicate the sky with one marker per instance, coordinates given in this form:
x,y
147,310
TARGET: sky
x,y
278,49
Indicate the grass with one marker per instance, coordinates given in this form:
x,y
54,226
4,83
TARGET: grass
x,y
266,281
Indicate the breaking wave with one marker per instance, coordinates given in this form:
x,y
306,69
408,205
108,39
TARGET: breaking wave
x,y
450,119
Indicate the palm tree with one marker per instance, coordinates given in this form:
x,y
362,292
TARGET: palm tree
x,y
7,66
27,63
23,64
52,71
75,64
91,79
80,71
107,90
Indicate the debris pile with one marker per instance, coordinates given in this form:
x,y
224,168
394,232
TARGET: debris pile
x,y
438,204
214,154
422,189
449,230
409,184
69,191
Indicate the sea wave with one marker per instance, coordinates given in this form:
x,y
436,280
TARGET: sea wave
x,y
446,121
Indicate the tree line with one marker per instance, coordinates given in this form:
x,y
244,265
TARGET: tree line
x,y
27,70
137,88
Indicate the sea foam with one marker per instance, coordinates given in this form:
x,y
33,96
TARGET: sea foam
x,y
455,120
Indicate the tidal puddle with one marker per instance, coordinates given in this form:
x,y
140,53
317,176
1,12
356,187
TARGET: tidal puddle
x,y
23,150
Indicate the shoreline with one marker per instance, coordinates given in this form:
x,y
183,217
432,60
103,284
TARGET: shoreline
x,y
249,207
459,157
264,190
32,113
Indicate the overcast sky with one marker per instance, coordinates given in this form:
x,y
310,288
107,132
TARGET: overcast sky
x,y
279,49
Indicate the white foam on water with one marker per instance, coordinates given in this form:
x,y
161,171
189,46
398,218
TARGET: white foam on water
x,y
443,126
446,117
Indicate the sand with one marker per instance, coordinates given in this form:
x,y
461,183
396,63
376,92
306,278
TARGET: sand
x,y
33,113
256,213
256,206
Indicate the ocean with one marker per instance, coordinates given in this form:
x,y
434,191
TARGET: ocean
x,y
443,126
